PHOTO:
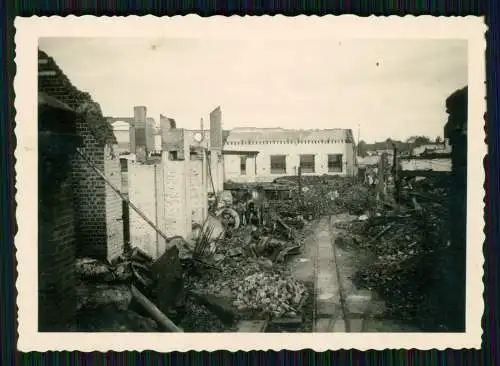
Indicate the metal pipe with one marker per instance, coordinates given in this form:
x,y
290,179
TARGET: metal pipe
x,y
122,196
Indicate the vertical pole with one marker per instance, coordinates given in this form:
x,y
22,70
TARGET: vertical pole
x,y
156,211
395,173
357,145
125,206
204,170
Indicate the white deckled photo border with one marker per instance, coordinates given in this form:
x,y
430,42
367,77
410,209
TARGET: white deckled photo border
x,y
29,30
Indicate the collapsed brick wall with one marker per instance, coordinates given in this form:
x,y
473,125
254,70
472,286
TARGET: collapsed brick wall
x,y
88,188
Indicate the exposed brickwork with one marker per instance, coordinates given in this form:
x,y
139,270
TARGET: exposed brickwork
x,y
56,255
92,216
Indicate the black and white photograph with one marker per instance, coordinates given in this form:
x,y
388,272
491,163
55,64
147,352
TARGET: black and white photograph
x,y
284,185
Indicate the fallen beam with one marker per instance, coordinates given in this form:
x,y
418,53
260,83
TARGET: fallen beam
x,y
157,315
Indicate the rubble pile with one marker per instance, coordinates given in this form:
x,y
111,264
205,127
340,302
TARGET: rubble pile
x,y
104,295
325,195
407,243
253,284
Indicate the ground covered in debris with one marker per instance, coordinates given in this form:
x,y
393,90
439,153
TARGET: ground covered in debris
x,y
410,263
237,270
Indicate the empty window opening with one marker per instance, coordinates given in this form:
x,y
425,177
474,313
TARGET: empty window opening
x,y
278,164
335,163
307,163
243,165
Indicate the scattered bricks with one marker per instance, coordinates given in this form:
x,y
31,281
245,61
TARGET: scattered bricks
x,y
218,305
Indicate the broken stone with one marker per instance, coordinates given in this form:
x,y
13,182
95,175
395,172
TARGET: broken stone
x,y
220,306
123,271
94,270
235,252
265,264
99,295
218,258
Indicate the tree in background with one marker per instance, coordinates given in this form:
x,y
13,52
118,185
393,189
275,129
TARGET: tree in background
x,y
362,149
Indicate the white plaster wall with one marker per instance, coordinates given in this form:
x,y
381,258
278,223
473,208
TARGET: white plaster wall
x,y
292,152
232,169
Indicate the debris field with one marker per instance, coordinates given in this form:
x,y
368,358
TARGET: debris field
x,y
234,268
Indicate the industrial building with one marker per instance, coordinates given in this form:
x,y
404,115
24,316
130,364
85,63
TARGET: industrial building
x,y
263,154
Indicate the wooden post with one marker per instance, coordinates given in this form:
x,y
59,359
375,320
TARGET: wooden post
x,y
395,173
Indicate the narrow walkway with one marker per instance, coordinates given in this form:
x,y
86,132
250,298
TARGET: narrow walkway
x,y
339,305
329,312
364,310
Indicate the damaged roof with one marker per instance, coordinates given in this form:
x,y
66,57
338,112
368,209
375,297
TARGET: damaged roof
x,y
281,134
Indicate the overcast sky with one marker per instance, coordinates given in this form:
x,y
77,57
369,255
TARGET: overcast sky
x,y
390,88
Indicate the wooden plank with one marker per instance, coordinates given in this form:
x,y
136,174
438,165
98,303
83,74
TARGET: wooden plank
x,y
252,326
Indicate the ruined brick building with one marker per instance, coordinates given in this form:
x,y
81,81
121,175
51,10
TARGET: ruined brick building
x,y
78,214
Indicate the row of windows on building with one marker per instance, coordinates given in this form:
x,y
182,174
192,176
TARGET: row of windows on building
x,y
274,142
307,164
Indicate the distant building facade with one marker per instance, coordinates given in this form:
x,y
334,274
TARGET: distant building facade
x,y
261,155
435,147
141,133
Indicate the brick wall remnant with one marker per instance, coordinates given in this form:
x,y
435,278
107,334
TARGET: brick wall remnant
x,y
94,214
57,141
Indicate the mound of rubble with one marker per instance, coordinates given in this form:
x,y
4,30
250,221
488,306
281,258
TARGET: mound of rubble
x,y
409,244
204,285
